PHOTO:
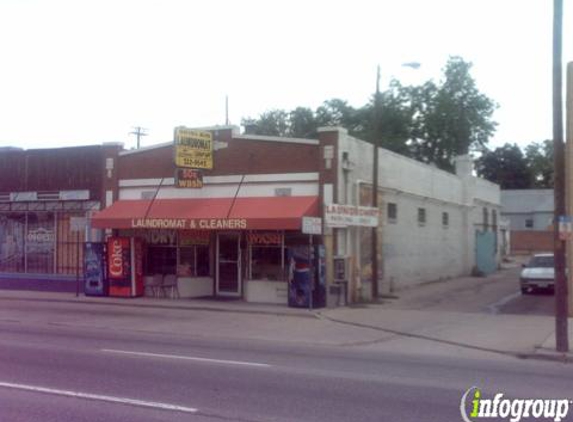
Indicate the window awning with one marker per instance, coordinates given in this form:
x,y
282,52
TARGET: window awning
x,y
264,213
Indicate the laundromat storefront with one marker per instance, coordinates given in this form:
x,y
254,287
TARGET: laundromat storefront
x,y
242,247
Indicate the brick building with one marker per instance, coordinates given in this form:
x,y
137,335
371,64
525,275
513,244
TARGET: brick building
x,y
241,234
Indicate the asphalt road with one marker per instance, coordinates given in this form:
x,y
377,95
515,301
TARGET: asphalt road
x,y
65,373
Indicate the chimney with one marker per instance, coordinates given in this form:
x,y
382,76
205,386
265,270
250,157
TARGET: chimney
x,y
464,166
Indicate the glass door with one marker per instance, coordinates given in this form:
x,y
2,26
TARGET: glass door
x,y
228,264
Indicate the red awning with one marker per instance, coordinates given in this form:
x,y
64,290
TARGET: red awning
x,y
266,213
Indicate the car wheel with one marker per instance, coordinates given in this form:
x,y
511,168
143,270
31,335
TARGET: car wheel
x,y
524,290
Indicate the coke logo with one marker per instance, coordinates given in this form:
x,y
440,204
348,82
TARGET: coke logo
x,y
116,259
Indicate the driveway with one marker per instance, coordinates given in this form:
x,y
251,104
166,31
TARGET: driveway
x,y
498,293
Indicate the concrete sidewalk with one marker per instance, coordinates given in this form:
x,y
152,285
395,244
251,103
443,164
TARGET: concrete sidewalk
x,y
370,326
207,304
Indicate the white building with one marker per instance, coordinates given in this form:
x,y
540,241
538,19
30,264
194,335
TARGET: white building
x,y
434,224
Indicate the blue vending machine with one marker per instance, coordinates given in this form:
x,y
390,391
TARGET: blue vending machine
x,y
307,284
96,283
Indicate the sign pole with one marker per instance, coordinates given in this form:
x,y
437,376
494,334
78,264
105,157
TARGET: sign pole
x,y
77,263
310,272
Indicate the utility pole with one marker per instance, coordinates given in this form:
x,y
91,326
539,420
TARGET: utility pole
x,y
138,131
376,143
561,300
569,175
226,110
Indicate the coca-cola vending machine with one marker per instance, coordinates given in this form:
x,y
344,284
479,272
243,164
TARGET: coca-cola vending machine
x,y
125,266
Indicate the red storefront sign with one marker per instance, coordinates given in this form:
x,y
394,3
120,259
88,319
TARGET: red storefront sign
x,y
188,178
265,238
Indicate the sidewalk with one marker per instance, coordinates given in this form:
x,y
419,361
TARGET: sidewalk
x,y
383,326
208,304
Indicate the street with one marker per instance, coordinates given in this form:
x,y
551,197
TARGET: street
x,y
410,358
215,379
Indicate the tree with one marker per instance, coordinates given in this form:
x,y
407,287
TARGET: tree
x,y
302,123
337,112
451,118
506,166
432,122
394,122
539,157
272,123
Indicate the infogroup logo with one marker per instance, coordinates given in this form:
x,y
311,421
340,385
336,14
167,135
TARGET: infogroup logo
x,y
474,407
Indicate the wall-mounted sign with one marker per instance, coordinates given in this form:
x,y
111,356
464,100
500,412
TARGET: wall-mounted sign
x,y
40,236
193,148
312,225
74,195
336,215
23,196
188,178
194,237
265,238
565,228
182,223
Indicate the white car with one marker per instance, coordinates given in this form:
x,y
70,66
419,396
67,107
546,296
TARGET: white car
x,y
538,273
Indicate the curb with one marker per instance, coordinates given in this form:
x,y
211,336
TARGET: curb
x,y
160,306
548,356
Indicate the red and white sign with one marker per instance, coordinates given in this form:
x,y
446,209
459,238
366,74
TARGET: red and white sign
x,y
118,257
312,225
336,215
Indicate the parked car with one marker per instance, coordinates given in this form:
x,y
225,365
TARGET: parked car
x,y
538,273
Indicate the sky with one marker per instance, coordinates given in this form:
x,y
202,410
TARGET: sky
x,y
87,72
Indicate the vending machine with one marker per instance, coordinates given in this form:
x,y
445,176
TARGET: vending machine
x,y
307,277
125,266
95,274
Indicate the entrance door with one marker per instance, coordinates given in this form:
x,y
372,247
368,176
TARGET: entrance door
x,y
228,264
485,252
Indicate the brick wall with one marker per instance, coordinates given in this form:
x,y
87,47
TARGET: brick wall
x,y
242,156
529,241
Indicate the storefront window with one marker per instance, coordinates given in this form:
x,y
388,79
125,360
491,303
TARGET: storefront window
x,y
194,253
161,260
267,255
193,261
40,243
69,245
12,242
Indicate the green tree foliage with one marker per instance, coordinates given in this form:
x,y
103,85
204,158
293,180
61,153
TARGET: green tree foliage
x,y
539,157
271,123
432,122
507,166
452,118
302,123
391,125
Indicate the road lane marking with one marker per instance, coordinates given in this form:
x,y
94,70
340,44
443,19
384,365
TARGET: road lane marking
x,y
193,358
98,397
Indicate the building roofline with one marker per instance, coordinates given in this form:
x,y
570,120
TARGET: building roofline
x,y
146,149
277,139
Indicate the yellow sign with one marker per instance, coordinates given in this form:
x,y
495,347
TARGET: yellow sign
x,y
193,148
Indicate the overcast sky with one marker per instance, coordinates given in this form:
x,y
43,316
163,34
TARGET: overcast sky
x,y
85,72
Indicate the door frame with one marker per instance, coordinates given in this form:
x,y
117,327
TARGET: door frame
x,y
239,291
